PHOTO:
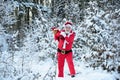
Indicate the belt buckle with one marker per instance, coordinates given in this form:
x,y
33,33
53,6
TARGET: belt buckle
x,y
63,51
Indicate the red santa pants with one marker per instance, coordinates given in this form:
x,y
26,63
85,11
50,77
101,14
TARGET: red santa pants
x,y
61,61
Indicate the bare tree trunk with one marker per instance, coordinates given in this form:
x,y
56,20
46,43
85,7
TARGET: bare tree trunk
x,y
34,10
53,7
27,17
41,2
36,1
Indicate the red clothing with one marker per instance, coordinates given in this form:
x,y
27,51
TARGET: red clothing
x,y
61,57
61,39
61,61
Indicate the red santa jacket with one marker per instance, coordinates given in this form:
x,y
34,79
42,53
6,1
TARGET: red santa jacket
x,y
68,39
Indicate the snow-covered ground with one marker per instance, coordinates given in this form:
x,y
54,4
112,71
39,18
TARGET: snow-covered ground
x,y
84,73
33,61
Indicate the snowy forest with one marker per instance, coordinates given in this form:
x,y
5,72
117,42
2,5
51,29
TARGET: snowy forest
x,y
28,49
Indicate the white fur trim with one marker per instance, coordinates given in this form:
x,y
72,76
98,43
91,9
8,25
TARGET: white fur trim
x,y
68,25
70,34
63,34
65,42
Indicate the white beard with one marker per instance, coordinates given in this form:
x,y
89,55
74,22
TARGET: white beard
x,y
67,32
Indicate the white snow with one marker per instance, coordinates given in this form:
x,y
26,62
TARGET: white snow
x,y
84,73
35,59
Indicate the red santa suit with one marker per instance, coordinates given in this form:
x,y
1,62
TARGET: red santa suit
x,y
65,42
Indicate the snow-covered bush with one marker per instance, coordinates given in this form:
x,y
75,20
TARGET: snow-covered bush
x,y
97,41
98,33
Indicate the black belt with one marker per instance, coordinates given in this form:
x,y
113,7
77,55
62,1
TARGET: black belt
x,y
64,51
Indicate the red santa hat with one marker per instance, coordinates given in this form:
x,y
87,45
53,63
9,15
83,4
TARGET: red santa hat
x,y
68,23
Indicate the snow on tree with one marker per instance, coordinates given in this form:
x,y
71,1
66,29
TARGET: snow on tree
x,y
97,35
96,45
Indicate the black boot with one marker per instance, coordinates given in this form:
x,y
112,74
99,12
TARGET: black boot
x,y
72,76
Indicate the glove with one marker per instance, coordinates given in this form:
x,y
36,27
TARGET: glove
x,y
63,34
55,31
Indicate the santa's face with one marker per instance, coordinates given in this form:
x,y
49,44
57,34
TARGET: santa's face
x,y
67,28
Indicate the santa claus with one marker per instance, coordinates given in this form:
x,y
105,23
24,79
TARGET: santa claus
x,y
65,40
